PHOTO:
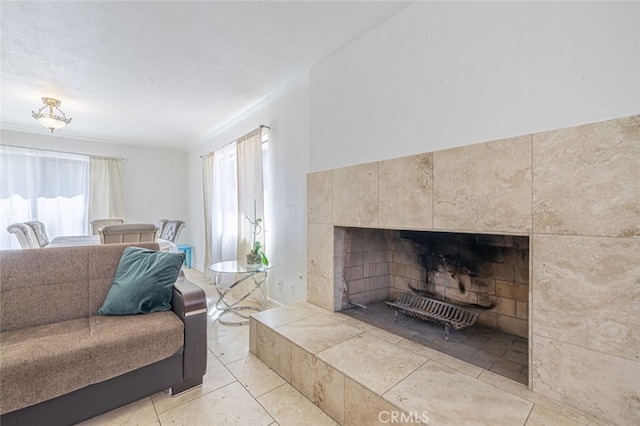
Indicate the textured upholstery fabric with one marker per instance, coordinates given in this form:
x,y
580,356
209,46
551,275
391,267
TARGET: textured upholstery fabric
x,y
128,233
43,362
57,284
52,340
39,231
160,225
123,343
98,224
143,282
171,230
40,363
42,286
24,234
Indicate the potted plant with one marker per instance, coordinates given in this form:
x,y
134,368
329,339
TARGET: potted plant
x,y
256,256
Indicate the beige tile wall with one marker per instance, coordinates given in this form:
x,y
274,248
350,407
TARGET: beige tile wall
x,y
484,187
355,195
574,191
586,180
364,265
414,175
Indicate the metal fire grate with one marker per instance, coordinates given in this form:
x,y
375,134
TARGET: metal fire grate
x,y
446,314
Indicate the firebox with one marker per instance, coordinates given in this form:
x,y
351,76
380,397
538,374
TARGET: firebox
x,y
464,294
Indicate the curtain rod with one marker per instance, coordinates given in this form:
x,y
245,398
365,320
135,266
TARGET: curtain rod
x,y
65,152
262,126
107,158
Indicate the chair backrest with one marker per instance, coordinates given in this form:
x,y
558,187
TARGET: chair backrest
x,y
39,231
99,223
128,233
172,230
160,225
25,235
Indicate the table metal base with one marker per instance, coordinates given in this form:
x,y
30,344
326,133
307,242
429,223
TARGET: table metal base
x,y
257,278
235,310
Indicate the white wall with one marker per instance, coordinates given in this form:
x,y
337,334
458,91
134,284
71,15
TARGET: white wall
x,y
438,75
285,215
155,179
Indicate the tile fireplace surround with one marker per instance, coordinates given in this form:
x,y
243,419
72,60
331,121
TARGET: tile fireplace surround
x,y
574,192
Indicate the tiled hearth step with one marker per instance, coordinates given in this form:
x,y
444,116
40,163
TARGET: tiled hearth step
x,y
361,375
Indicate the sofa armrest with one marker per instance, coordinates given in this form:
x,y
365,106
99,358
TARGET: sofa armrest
x,y
188,298
189,303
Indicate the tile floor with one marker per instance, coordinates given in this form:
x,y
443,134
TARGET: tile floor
x,y
239,389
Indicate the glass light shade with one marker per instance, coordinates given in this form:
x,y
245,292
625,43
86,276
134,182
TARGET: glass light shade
x,y
51,123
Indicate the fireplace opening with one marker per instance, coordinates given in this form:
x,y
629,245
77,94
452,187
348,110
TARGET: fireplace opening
x,y
462,294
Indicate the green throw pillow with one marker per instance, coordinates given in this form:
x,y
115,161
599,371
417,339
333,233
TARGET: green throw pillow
x,y
143,282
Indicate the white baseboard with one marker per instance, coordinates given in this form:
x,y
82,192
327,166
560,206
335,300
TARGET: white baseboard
x,y
274,303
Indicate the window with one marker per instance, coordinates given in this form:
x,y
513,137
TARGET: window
x,y
233,192
48,186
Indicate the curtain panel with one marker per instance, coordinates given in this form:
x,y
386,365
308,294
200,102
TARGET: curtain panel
x,y
232,185
207,189
224,205
250,190
106,194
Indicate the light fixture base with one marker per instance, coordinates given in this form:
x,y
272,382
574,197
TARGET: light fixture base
x,y
51,102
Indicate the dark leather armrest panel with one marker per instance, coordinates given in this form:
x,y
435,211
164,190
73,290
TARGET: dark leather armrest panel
x,y
188,298
190,304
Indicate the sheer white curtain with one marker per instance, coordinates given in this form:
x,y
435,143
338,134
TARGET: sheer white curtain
x,y
207,189
223,213
250,191
232,183
48,186
106,194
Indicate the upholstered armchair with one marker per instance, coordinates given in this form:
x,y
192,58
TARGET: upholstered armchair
x,y
97,224
25,235
39,232
128,233
171,230
160,225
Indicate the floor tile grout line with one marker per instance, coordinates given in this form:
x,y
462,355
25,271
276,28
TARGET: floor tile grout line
x,y
237,380
265,408
529,415
285,383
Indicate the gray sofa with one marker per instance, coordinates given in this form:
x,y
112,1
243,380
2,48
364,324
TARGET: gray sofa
x,y
62,363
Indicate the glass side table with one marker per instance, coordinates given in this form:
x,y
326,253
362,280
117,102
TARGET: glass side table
x,y
256,275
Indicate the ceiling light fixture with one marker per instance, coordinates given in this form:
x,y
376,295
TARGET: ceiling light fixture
x,y
48,119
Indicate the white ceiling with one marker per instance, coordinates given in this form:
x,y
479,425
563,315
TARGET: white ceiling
x,y
164,73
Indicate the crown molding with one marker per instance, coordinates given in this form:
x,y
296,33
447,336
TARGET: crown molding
x,y
252,110
121,142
